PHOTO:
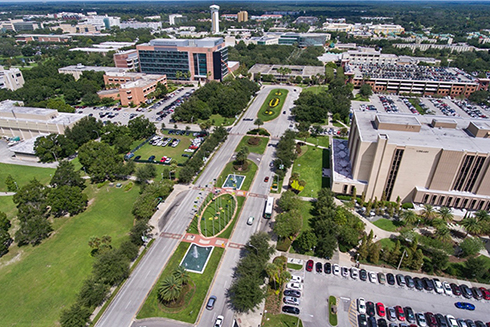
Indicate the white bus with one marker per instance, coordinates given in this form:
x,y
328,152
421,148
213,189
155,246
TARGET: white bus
x,y
268,207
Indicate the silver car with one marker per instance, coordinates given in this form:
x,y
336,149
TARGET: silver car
x,y
291,300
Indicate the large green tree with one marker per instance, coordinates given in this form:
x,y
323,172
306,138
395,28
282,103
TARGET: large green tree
x,y
65,175
67,200
100,161
141,127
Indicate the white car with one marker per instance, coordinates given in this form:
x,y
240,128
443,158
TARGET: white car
x,y
294,286
291,300
447,288
250,220
296,279
361,305
354,273
438,286
373,278
421,320
336,269
451,321
345,272
219,321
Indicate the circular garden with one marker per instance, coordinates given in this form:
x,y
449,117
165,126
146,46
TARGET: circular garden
x,y
217,215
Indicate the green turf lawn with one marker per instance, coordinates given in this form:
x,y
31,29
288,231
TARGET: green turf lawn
x,y
7,206
309,167
385,224
218,120
259,148
43,280
316,89
223,207
281,320
250,174
148,150
152,306
276,110
387,243
319,140
23,174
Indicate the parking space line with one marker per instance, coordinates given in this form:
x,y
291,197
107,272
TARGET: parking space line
x,y
352,314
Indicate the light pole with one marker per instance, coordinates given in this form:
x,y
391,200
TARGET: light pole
x,y
401,259
98,136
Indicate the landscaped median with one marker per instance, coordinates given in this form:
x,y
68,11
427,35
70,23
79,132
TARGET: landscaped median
x,y
187,306
272,106
234,168
332,310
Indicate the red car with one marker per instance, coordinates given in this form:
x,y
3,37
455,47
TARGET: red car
x,y
399,313
485,292
380,309
309,265
266,179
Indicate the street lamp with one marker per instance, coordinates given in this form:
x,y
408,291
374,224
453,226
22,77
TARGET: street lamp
x,y
401,259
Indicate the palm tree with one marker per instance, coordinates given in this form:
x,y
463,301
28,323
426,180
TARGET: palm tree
x,y
272,272
429,212
182,274
445,214
170,289
443,234
482,215
472,225
258,122
410,217
438,223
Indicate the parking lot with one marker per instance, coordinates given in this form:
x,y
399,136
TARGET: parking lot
x,y
317,287
400,104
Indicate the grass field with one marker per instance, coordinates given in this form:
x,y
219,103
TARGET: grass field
x,y
282,320
332,317
309,167
385,224
7,206
223,207
152,306
250,174
259,148
36,283
316,89
319,140
281,94
23,174
148,150
219,120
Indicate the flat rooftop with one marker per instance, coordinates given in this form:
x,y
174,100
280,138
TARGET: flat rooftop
x,y
457,139
295,70
8,111
83,68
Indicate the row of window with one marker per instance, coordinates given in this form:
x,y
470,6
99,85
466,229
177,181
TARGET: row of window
x,y
458,202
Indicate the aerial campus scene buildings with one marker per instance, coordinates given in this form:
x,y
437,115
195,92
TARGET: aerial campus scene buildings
x,y
245,164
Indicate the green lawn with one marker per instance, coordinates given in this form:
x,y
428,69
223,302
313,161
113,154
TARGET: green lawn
x,y
281,320
294,266
152,306
48,277
250,174
332,317
222,207
387,243
309,167
7,206
148,150
316,89
280,94
219,120
259,148
337,124
385,224
23,174
319,140
359,97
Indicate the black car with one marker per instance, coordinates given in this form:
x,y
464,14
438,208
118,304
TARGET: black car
x,y
363,275
456,289
400,280
382,322
465,291
409,281
409,315
441,320
362,320
479,323
319,267
477,294
370,309
151,158
470,323
293,293
390,278
372,322
290,309
428,284
327,268
418,283
137,158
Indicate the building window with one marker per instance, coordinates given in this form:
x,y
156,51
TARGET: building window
x,y
456,203
434,198
352,189
463,172
426,198
465,203
480,205
395,165
449,200
488,206
441,200
475,171
345,189
473,203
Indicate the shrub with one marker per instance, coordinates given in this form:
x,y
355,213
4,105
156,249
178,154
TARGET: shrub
x,y
260,131
254,141
407,205
283,244
344,197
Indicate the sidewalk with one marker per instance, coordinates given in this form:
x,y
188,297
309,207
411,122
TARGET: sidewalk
x,y
162,207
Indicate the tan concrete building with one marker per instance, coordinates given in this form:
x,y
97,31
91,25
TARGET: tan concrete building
x,y
127,59
77,70
11,79
242,16
424,159
131,87
27,122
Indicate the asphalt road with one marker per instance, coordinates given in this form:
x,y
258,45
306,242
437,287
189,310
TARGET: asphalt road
x,y
126,304
319,286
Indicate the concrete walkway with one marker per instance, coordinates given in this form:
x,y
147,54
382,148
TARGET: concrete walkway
x,y
7,193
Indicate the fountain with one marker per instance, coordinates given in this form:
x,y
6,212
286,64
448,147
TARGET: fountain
x,y
196,258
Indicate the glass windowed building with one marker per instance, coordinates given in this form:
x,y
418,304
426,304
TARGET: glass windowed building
x,y
185,59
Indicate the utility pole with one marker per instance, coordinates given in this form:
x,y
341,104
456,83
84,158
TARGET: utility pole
x,y
401,259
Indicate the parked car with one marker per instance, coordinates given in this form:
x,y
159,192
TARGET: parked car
x,y
290,309
370,309
294,286
465,291
461,322
211,301
447,288
319,267
380,309
477,294
291,300
409,315
336,269
372,322
441,320
485,292
399,313
451,321
428,284
354,273
372,277
381,278
327,268
456,289
400,280
409,281
362,320
363,275
361,305
293,293
309,265
421,320
431,319
391,314
382,322
390,278
345,272
419,285
438,286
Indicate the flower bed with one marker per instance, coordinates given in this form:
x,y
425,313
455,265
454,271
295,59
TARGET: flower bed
x,y
274,102
272,106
